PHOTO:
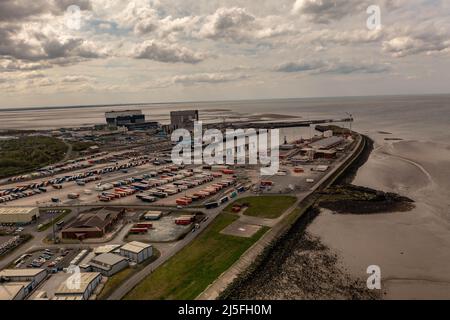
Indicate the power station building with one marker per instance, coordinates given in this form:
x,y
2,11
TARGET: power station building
x,y
123,118
131,119
183,119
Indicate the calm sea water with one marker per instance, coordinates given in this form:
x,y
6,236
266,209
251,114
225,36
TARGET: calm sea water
x,y
408,117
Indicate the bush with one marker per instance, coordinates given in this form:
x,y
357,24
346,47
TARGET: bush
x,y
29,153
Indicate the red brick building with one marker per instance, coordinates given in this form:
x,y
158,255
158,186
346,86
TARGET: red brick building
x,y
93,224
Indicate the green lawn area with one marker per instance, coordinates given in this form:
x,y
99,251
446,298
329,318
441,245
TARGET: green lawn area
x,y
56,220
193,268
270,207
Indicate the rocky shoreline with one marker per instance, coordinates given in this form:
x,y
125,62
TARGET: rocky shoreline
x,y
351,199
299,266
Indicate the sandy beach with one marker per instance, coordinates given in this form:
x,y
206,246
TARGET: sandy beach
x,y
412,248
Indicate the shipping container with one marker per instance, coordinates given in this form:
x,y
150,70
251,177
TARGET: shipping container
x,y
182,202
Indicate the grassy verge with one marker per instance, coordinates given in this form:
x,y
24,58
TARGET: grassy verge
x,y
117,279
270,207
197,265
65,213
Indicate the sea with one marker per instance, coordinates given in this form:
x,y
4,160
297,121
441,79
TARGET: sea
x,y
421,117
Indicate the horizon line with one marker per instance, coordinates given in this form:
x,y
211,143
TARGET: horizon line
x,y
55,107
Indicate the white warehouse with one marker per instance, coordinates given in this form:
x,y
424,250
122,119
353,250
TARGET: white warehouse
x,y
137,251
19,215
88,282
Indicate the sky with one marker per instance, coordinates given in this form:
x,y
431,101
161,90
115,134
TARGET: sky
x,y
77,52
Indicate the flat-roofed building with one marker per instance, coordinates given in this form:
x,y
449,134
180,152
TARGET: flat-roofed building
x,y
137,251
35,276
28,278
108,264
327,143
107,248
19,215
123,118
12,291
80,288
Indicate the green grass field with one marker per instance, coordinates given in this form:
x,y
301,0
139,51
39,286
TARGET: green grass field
x,y
270,207
65,213
192,269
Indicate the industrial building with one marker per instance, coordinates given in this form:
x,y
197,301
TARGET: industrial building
x,y
19,215
12,291
183,119
108,264
327,143
18,283
88,282
131,119
122,118
35,276
318,154
137,251
93,224
107,248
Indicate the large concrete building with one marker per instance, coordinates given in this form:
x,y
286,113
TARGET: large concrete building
x,y
83,289
137,251
24,275
12,291
327,143
19,215
123,118
16,284
183,119
108,264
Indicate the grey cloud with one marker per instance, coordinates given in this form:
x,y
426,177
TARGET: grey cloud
x,y
402,46
207,78
300,66
227,23
76,79
10,65
343,68
16,10
62,5
238,25
326,11
41,47
13,10
163,52
331,67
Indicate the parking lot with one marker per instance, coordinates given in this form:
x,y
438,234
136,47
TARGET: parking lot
x,y
54,259
164,230
43,190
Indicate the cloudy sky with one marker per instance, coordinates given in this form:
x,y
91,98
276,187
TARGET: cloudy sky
x,y
190,50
